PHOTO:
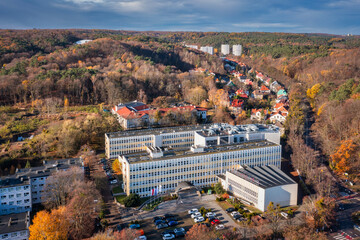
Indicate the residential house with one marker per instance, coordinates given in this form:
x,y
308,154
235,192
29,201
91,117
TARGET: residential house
x,y
236,105
264,89
248,82
278,117
281,93
259,114
258,94
260,76
242,93
267,81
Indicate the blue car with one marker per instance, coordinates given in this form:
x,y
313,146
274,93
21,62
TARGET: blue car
x,y
173,223
134,226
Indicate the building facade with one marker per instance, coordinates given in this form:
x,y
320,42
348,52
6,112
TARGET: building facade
x,y
225,49
260,185
20,191
237,50
208,150
207,49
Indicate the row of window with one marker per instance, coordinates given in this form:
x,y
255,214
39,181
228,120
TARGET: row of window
x,y
15,210
14,234
131,140
17,202
243,188
12,189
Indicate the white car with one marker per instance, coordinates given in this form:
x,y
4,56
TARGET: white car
x,y
194,210
210,214
234,213
195,215
220,227
199,219
168,236
284,214
113,181
141,238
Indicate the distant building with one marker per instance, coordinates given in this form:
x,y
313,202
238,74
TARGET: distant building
x,y
192,46
225,49
237,50
260,185
131,114
207,49
83,41
15,226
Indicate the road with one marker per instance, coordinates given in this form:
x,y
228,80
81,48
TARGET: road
x,y
346,230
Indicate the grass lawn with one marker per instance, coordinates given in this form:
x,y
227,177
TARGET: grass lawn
x,y
120,198
225,205
117,189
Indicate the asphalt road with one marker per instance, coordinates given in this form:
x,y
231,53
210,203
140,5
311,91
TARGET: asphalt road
x,y
346,226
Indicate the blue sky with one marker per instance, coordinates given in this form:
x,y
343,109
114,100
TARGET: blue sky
x,y
300,16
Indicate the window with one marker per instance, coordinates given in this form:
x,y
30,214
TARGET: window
x,y
18,195
11,196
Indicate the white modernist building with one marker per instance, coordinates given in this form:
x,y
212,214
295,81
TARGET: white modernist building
x,y
225,49
214,150
20,191
207,49
15,226
237,50
260,185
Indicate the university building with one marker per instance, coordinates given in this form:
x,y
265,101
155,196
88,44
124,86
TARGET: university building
x,y
208,151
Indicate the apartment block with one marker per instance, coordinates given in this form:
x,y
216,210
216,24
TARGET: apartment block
x,y
20,191
237,50
225,49
207,49
260,185
214,149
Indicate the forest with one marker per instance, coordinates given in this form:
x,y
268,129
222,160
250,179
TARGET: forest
x,y
50,85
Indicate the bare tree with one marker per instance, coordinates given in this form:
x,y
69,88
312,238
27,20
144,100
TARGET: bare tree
x,y
59,186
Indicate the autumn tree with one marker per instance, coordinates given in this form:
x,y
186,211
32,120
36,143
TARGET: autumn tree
x,y
60,185
127,233
273,215
200,231
116,167
196,95
320,212
50,225
340,160
80,210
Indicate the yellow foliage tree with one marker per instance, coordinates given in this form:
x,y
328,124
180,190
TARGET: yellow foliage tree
x,y
340,160
312,92
50,225
116,167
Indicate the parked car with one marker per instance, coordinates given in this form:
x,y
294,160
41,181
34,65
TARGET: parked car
x,y
341,207
210,214
220,227
156,218
229,210
167,232
216,221
159,221
237,216
284,214
173,223
211,218
194,210
162,225
234,213
168,236
179,232
356,227
170,219
199,219
141,238
195,215
134,226
113,181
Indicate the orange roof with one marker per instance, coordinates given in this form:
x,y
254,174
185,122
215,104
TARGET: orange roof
x,y
126,113
237,103
142,107
264,88
279,105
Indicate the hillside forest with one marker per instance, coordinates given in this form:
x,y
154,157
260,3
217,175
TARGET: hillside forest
x,y
57,90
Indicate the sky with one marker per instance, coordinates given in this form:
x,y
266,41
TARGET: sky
x,y
297,16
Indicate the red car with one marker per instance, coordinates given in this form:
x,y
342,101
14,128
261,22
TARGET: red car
x,y
216,221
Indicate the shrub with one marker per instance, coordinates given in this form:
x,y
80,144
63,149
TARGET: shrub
x,y
132,200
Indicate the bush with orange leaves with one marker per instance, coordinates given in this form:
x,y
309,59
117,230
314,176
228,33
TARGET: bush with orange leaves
x,y
341,159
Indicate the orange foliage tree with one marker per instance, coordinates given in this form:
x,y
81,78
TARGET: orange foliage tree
x,y
50,225
340,160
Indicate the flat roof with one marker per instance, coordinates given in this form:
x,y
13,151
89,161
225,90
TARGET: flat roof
x,y
263,176
156,131
22,176
185,152
207,130
14,222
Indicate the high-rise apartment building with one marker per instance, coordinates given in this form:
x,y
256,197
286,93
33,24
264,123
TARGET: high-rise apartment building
x,y
237,50
225,49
